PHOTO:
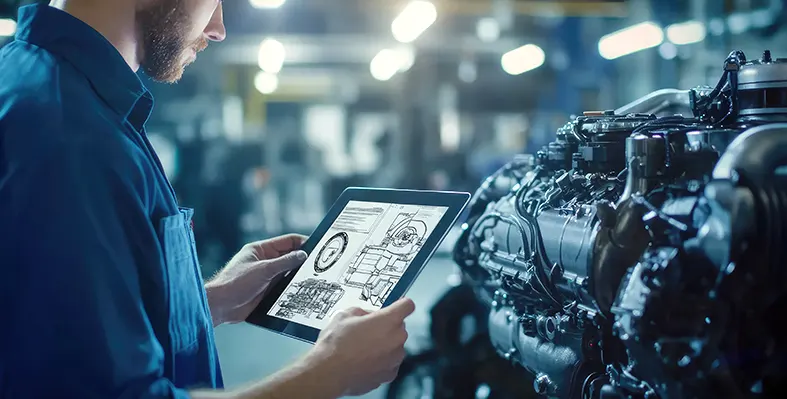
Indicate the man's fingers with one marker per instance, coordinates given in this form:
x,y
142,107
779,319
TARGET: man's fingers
x,y
398,310
355,311
274,267
349,312
277,246
391,375
287,242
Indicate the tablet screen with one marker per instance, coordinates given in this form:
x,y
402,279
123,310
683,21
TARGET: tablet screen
x,y
358,261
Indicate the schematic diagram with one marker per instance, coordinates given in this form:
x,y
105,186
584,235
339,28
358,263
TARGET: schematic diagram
x,y
358,261
330,253
377,267
311,298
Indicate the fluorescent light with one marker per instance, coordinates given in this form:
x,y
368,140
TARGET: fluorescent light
x,y
266,83
522,59
389,62
630,40
384,65
271,56
414,20
267,3
405,57
7,27
686,32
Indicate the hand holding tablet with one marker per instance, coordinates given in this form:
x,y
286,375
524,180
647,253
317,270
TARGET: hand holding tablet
x,y
365,254
351,349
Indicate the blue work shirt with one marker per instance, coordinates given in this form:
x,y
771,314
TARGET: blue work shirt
x,y
100,290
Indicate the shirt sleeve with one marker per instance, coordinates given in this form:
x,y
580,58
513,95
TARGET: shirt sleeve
x,y
79,324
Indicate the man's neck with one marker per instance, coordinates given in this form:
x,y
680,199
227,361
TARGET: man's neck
x,y
115,20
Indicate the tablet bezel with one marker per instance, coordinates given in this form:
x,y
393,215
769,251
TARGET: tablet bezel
x,y
455,201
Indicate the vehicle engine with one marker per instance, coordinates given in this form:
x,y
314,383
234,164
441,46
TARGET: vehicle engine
x,y
642,253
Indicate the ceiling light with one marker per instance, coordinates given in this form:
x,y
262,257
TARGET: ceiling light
x,y
266,83
385,65
686,32
271,56
7,27
630,40
267,4
523,59
414,20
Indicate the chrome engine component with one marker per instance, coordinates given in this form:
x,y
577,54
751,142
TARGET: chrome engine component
x,y
638,254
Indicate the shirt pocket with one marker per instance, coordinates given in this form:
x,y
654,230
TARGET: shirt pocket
x,y
184,283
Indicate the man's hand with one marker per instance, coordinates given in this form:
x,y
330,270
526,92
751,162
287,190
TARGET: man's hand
x,y
359,351
240,286
356,353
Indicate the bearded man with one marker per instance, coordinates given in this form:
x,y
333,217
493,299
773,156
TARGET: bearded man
x,y
100,289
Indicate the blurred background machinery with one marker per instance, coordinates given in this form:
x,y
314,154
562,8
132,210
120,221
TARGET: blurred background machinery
x,y
307,97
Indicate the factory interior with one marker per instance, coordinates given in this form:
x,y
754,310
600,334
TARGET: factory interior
x,y
305,98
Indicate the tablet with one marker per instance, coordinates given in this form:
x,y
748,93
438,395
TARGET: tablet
x,y
366,253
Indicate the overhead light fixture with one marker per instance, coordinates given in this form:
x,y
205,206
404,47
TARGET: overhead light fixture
x,y
405,57
267,4
522,59
413,21
384,65
630,40
271,56
7,27
266,83
389,62
686,32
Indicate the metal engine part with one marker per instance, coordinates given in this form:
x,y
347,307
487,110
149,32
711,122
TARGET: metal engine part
x,y
616,260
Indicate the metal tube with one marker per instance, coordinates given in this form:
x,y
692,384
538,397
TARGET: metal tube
x,y
659,101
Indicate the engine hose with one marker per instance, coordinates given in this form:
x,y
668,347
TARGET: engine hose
x,y
733,111
478,204
526,246
540,249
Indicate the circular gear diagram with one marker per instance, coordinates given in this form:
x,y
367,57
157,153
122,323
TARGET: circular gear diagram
x,y
331,252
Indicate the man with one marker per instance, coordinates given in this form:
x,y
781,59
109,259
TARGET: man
x,y
99,285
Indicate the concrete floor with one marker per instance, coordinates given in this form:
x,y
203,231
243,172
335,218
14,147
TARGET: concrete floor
x,y
249,353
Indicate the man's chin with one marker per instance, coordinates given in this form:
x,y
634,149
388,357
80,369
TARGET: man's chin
x,y
170,76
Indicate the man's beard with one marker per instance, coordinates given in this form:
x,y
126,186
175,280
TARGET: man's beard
x,y
164,27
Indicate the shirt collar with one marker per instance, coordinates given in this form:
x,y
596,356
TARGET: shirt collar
x,y
92,54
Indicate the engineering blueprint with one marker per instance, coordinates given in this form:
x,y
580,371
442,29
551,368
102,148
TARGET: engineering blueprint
x,y
358,262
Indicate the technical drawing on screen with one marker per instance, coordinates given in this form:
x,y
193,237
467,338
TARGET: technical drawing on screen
x,y
358,262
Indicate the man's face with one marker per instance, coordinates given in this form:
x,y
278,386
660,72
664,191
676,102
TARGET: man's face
x,y
173,32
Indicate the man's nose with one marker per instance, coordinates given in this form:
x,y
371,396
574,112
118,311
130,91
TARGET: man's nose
x,y
215,30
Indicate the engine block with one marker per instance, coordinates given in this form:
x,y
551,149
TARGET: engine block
x,y
641,253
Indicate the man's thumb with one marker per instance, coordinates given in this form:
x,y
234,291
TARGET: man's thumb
x,y
285,263
400,309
